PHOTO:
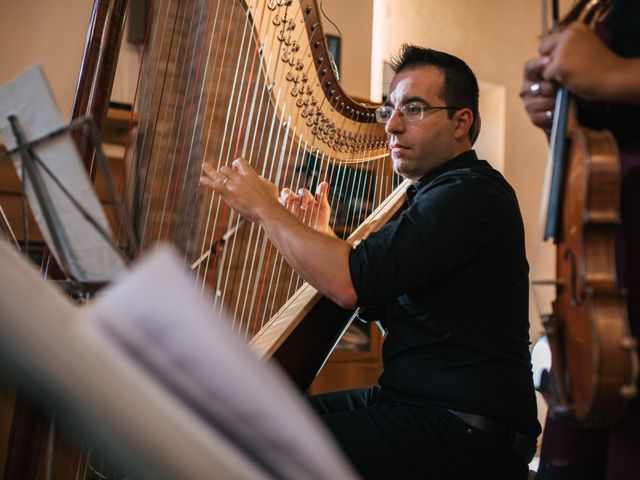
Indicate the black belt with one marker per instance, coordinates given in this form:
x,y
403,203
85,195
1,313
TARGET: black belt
x,y
521,444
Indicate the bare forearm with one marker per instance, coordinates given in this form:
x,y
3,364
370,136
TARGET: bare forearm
x,y
321,259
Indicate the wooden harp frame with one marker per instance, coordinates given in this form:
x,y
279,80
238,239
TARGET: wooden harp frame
x,y
303,332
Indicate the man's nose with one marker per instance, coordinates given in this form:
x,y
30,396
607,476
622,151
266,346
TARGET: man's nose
x,y
395,124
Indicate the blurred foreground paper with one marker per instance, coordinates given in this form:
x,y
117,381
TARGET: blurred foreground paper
x,y
90,257
159,385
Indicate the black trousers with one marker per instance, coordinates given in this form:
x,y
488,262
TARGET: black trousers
x,y
389,440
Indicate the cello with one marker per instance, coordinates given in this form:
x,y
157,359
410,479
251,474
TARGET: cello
x,y
595,364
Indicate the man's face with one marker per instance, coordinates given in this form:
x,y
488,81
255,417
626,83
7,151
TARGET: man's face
x,y
419,146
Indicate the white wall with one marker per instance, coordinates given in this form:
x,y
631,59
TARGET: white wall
x,y
354,18
50,32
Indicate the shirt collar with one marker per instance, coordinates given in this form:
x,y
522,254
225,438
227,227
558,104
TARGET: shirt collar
x,y
455,163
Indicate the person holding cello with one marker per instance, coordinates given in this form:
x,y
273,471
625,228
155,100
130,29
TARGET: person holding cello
x,y
601,68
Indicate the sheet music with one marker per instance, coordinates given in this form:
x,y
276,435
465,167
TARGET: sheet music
x,y
158,318
116,409
29,98
153,380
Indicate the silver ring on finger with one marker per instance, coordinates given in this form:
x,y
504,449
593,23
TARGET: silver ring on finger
x,y
224,182
535,89
548,114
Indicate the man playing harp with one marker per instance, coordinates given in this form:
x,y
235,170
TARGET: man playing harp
x,y
448,279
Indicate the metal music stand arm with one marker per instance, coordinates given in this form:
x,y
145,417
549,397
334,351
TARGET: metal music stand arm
x,y
29,159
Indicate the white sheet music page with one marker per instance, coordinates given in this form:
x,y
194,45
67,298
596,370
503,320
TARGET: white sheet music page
x,y
155,315
29,98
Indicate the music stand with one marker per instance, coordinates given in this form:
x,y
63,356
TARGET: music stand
x,y
57,186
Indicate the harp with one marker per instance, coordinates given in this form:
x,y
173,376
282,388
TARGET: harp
x,y
254,79
221,79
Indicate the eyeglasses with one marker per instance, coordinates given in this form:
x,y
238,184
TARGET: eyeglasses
x,y
410,111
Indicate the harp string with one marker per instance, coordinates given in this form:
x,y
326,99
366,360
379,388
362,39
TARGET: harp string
x,y
137,179
170,176
127,172
278,259
193,158
235,237
165,132
230,132
184,126
193,104
211,129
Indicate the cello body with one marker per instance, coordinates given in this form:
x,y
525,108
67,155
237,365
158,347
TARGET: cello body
x,y
595,364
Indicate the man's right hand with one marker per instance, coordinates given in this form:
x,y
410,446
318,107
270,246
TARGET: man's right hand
x,y
313,211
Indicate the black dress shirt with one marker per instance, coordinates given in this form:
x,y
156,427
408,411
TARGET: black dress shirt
x,y
449,280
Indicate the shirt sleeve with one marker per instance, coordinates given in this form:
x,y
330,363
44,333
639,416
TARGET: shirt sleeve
x,y
444,228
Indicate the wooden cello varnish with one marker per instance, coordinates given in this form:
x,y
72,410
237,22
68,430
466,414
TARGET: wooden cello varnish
x,y
595,365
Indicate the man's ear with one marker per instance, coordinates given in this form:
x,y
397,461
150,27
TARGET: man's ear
x,y
463,119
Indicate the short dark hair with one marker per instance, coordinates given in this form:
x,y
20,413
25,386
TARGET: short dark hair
x,y
460,87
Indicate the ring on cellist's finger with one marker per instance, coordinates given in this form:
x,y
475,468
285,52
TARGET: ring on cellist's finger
x,y
535,89
225,180
548,114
